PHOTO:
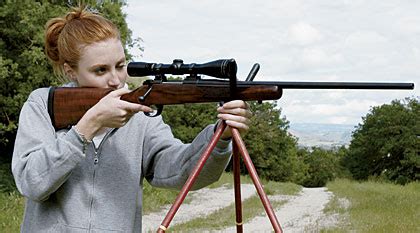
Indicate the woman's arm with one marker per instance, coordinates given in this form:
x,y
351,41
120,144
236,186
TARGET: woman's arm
x,y
42,161
167,162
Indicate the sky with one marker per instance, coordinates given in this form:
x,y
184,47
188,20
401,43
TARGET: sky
x,y
292,40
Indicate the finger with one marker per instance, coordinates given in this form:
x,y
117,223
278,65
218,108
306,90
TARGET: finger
x,y
236,111
134,108
237,125
235,104
234,118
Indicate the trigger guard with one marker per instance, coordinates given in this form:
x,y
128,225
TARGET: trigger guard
x,y
155,113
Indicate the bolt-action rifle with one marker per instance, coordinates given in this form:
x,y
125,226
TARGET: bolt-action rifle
x,y
66,105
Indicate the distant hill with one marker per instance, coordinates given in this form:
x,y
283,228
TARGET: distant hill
x,y
322,135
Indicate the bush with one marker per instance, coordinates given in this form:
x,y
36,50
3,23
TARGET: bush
x,y
323,166
387,144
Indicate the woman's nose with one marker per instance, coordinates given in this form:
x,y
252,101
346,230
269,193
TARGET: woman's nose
x,y
114,80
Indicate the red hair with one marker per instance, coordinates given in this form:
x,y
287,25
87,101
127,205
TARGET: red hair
x,y
65,37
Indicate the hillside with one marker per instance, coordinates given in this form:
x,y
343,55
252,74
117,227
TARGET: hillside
x,y
322,135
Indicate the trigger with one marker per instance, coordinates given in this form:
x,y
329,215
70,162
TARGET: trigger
x,y
157,112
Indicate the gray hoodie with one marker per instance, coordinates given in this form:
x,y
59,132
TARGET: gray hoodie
x,y
100,189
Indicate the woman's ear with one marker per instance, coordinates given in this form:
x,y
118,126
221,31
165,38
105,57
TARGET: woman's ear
x,y
70,73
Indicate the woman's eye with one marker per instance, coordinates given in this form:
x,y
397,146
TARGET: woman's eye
x,y
121,66
100,70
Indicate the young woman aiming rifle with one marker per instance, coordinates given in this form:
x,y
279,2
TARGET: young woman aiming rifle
x,y
89,177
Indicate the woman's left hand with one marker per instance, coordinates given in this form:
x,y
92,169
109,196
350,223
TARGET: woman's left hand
x,y
236,114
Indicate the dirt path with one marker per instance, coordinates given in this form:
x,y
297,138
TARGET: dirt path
x,y
204,201
303,213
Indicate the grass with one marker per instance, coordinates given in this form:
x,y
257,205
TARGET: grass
x,y
374,206
227,180
11,211
11,202
155,198
378,207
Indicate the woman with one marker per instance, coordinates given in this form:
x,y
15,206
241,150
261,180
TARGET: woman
x,y
89,177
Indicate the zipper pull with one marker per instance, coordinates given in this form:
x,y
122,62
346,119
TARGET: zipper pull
x,y
95,158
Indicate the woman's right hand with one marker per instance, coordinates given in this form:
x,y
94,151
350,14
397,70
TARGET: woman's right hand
x,y
111,112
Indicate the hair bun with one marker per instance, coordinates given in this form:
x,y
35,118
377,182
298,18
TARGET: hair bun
x,y
76,13
52,32
54,28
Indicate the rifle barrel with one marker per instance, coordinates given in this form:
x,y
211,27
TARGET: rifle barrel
x,y
341,85
313,85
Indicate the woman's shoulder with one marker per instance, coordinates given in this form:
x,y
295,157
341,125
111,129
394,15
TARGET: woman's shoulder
x,y
39,95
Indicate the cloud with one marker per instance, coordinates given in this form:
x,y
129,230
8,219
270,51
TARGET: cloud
x,y
303,34
316,57
293,40
338,110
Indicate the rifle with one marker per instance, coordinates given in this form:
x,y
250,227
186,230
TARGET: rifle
x,y
66,105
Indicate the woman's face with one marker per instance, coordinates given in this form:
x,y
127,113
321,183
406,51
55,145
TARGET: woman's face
x,y
102,64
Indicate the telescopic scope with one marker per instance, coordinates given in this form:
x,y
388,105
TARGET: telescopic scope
x,y
223,68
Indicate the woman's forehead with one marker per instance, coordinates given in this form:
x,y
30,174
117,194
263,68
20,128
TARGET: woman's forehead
x,y
103,51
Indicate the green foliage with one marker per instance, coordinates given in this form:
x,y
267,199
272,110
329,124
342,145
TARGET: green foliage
x,y
23,65
188,120
155,198
271,147
322,166
387,143
7,184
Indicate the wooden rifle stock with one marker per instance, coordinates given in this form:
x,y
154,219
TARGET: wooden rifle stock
x,y
66,105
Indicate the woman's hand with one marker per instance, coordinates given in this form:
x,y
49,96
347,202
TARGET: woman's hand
x,y
236,114
111,112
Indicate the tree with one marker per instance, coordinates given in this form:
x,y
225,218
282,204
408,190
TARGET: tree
x,y
322,165
272,149
387,143
187,120
23,65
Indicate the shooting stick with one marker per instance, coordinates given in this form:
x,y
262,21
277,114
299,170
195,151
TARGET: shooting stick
x,y
238,150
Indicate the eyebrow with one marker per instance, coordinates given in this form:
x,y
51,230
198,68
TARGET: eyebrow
x,y
122,60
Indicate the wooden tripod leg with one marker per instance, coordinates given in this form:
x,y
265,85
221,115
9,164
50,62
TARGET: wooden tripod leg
x,y
191,179
254,176
237,186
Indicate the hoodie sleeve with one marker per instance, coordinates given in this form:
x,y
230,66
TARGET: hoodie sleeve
x,y
42,161
168,162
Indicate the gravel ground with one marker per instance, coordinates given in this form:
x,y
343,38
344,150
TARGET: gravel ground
x,y
204,202
301,213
